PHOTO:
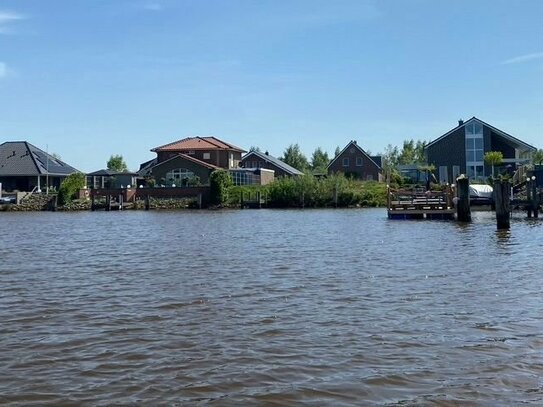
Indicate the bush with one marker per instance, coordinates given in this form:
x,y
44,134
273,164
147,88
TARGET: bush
x,y
69,187
219,182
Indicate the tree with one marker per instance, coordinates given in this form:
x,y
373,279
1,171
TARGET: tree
x,y
69,187
255,148
219,182
116,163
493,158
337,151
295,158
412,152
537,158
319,160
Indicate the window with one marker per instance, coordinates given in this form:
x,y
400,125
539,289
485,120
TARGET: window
x,y
179,176
346,162
207,156
475,151
359,161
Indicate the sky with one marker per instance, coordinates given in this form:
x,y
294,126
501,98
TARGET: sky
x,y
86,79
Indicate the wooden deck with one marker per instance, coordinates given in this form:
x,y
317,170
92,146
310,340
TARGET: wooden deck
x,y
418,204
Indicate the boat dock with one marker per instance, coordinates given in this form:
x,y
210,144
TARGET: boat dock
x,y
417,203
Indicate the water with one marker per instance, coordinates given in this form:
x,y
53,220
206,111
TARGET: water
x,y
279,308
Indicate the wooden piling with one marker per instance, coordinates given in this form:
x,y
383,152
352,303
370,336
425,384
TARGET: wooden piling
x,y
200,201
463,210
108,202
259,202
120,202
147,203
502,190
93,202
535,203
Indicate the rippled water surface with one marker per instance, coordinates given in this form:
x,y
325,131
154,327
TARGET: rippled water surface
x,y
331,307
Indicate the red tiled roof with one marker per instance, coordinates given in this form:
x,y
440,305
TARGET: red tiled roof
x,y
198,143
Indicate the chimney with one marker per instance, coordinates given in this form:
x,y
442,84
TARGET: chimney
x,y
460,122
267,152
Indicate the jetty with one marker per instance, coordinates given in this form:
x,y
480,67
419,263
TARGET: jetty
x,y
418,203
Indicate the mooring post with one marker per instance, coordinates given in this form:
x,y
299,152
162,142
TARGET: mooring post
x,y
535,203
108,202
258,200
241,200
120,202
93,202
200,200
463,211
502,189
147,203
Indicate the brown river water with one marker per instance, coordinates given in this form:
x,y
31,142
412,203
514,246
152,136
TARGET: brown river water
x,y
268,307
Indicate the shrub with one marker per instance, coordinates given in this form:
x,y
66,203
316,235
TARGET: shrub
x,y
219,182
69,187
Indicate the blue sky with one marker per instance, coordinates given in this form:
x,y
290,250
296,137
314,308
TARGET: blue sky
x,y
99,77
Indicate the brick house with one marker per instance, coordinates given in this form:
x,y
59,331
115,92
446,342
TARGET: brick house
x,y
256,159
192,157
353,161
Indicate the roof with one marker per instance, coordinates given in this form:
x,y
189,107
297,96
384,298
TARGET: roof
x,y
198,143
275,161
494,129
146,166
20,158
110,173
188,158
354,143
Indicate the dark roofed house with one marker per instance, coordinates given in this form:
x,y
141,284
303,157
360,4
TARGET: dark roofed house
x,y
256,159
353,161
461,150
25,167
111,179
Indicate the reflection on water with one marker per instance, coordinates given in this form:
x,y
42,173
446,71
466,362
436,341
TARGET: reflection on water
x,y
331,307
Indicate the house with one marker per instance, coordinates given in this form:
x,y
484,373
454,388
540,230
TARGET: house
x,y
252,176
353,161
25,167
191,160
110,179
461,150
256,159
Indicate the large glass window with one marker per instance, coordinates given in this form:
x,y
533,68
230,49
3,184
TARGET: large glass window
x,y
179,176
475,151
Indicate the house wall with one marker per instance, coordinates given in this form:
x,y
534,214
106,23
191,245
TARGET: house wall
x,y
366,171
449,151
219,158
160,171
28,183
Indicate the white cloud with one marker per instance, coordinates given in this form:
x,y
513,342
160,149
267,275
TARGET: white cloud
x,y
6,18
523,58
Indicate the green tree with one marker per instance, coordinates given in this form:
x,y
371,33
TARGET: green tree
x,y
337,152
255,148
412,152
537,158
69,187
319,160
295,158
493,158
219,182
116,163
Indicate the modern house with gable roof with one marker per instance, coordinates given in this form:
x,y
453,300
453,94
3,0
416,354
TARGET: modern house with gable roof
x,y
257,159
461,150
179,162
25,167
353,161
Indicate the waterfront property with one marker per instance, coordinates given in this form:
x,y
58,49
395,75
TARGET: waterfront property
x,y
353,161
191,160
461,150
25,167
256,159
252,176
110,179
